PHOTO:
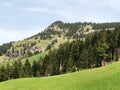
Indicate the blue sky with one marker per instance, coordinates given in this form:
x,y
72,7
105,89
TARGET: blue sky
x,y
22,18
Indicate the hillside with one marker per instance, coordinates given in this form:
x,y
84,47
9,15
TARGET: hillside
x,y
103,78
55,34
40,55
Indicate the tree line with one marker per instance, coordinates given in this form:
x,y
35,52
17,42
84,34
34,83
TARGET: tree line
x,y
20,70
97,49
5,47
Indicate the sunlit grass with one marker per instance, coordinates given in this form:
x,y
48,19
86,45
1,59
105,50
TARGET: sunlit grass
x,y
104,78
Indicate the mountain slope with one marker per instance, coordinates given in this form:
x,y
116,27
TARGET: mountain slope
x,y
104,78
55,34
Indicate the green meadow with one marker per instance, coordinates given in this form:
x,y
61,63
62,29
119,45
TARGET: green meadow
x,y
103,78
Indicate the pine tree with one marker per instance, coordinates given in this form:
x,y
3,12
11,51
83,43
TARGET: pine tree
x,y
8,71
15,73
36,69
102,50
2,73
27,69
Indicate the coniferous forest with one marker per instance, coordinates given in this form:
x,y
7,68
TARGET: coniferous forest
x,y
97,49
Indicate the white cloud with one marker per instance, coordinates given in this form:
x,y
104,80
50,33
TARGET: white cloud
x,y
65,14
7,36
15,35
59,12
7,3
35,9
26,14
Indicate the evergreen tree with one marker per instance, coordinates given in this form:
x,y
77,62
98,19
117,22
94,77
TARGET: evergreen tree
x,y
36,69
27,69
15,73
2,74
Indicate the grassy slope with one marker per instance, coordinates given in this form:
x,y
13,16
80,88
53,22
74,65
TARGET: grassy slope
x,y
34,57
104,78
43,43
31,59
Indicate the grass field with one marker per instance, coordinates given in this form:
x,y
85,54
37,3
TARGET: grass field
x,y
31,59
34,57
104,78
